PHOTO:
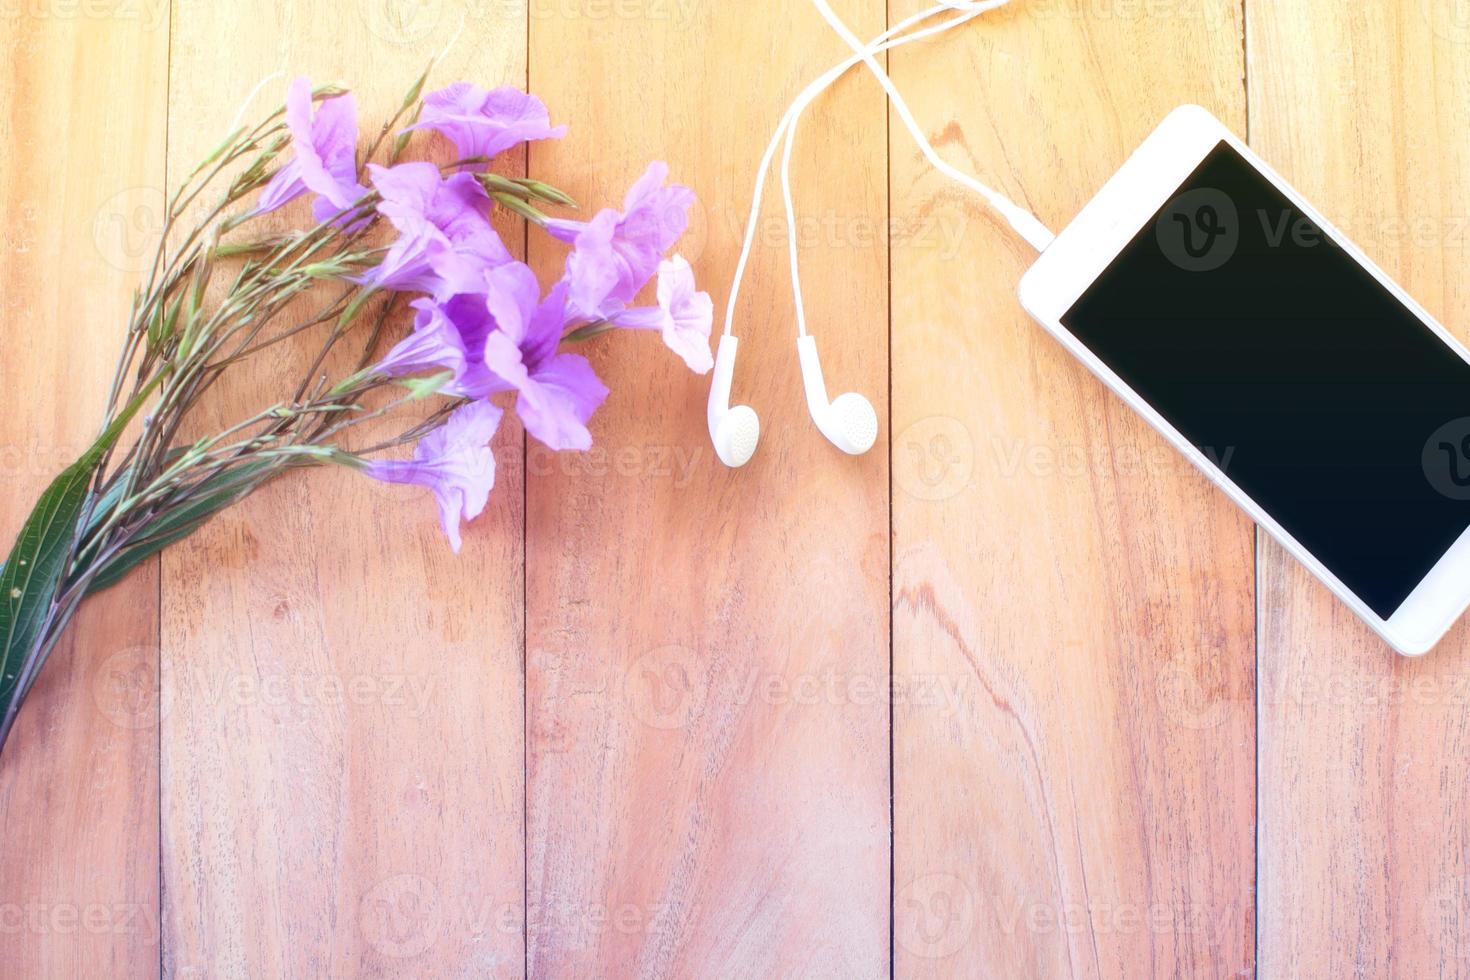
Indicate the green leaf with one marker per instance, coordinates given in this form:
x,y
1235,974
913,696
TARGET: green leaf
x,y
124,561
587,331
546,192
495,182
219,151
351,381
110,498
512,203
161,327
212,496
355,305
33,572
418,87
35,566
426,386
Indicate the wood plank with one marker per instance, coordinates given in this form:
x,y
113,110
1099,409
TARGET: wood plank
x,y
1363,843
81,171
342,750
707,736
1073,626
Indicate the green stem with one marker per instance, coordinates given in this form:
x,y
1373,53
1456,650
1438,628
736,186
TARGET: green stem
x,y
587,331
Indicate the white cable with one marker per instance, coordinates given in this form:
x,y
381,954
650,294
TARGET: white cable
x,y
1024,223
882,42
235,123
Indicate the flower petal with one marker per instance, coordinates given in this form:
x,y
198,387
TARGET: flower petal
x,y
511,292
484,124
455,462
434,343
448,241
691,314
283,188
592,266
555,403
325,152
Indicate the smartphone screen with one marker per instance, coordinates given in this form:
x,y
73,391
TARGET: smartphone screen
x,y
1310,385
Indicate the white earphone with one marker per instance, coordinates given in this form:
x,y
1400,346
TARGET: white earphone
x,y
734,431
849,420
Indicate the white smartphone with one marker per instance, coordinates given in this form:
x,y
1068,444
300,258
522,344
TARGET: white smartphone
x,y
1282,362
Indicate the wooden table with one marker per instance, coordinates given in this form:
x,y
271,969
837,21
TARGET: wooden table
x,y
1021,696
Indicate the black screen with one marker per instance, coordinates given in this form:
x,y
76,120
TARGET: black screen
x,y
1283,360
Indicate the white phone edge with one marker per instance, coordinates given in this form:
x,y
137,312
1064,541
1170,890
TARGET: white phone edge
x,y
1082,250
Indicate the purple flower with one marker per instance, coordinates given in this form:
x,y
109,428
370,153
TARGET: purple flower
x,y
683,315
484,124
446,241
455,462
448,335
615,254
557,393
325,161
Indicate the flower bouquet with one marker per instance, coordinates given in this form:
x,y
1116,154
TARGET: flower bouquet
x,y
389,239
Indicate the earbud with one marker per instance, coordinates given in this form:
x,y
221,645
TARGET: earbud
x,y
848,421
734,431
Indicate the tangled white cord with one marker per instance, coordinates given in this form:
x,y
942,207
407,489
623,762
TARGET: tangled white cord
x,y
1022,221
849,420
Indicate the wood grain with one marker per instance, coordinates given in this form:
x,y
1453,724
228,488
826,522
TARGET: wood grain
x,y
342,696
707,741
79,778
1073,630
1363,798
328,771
